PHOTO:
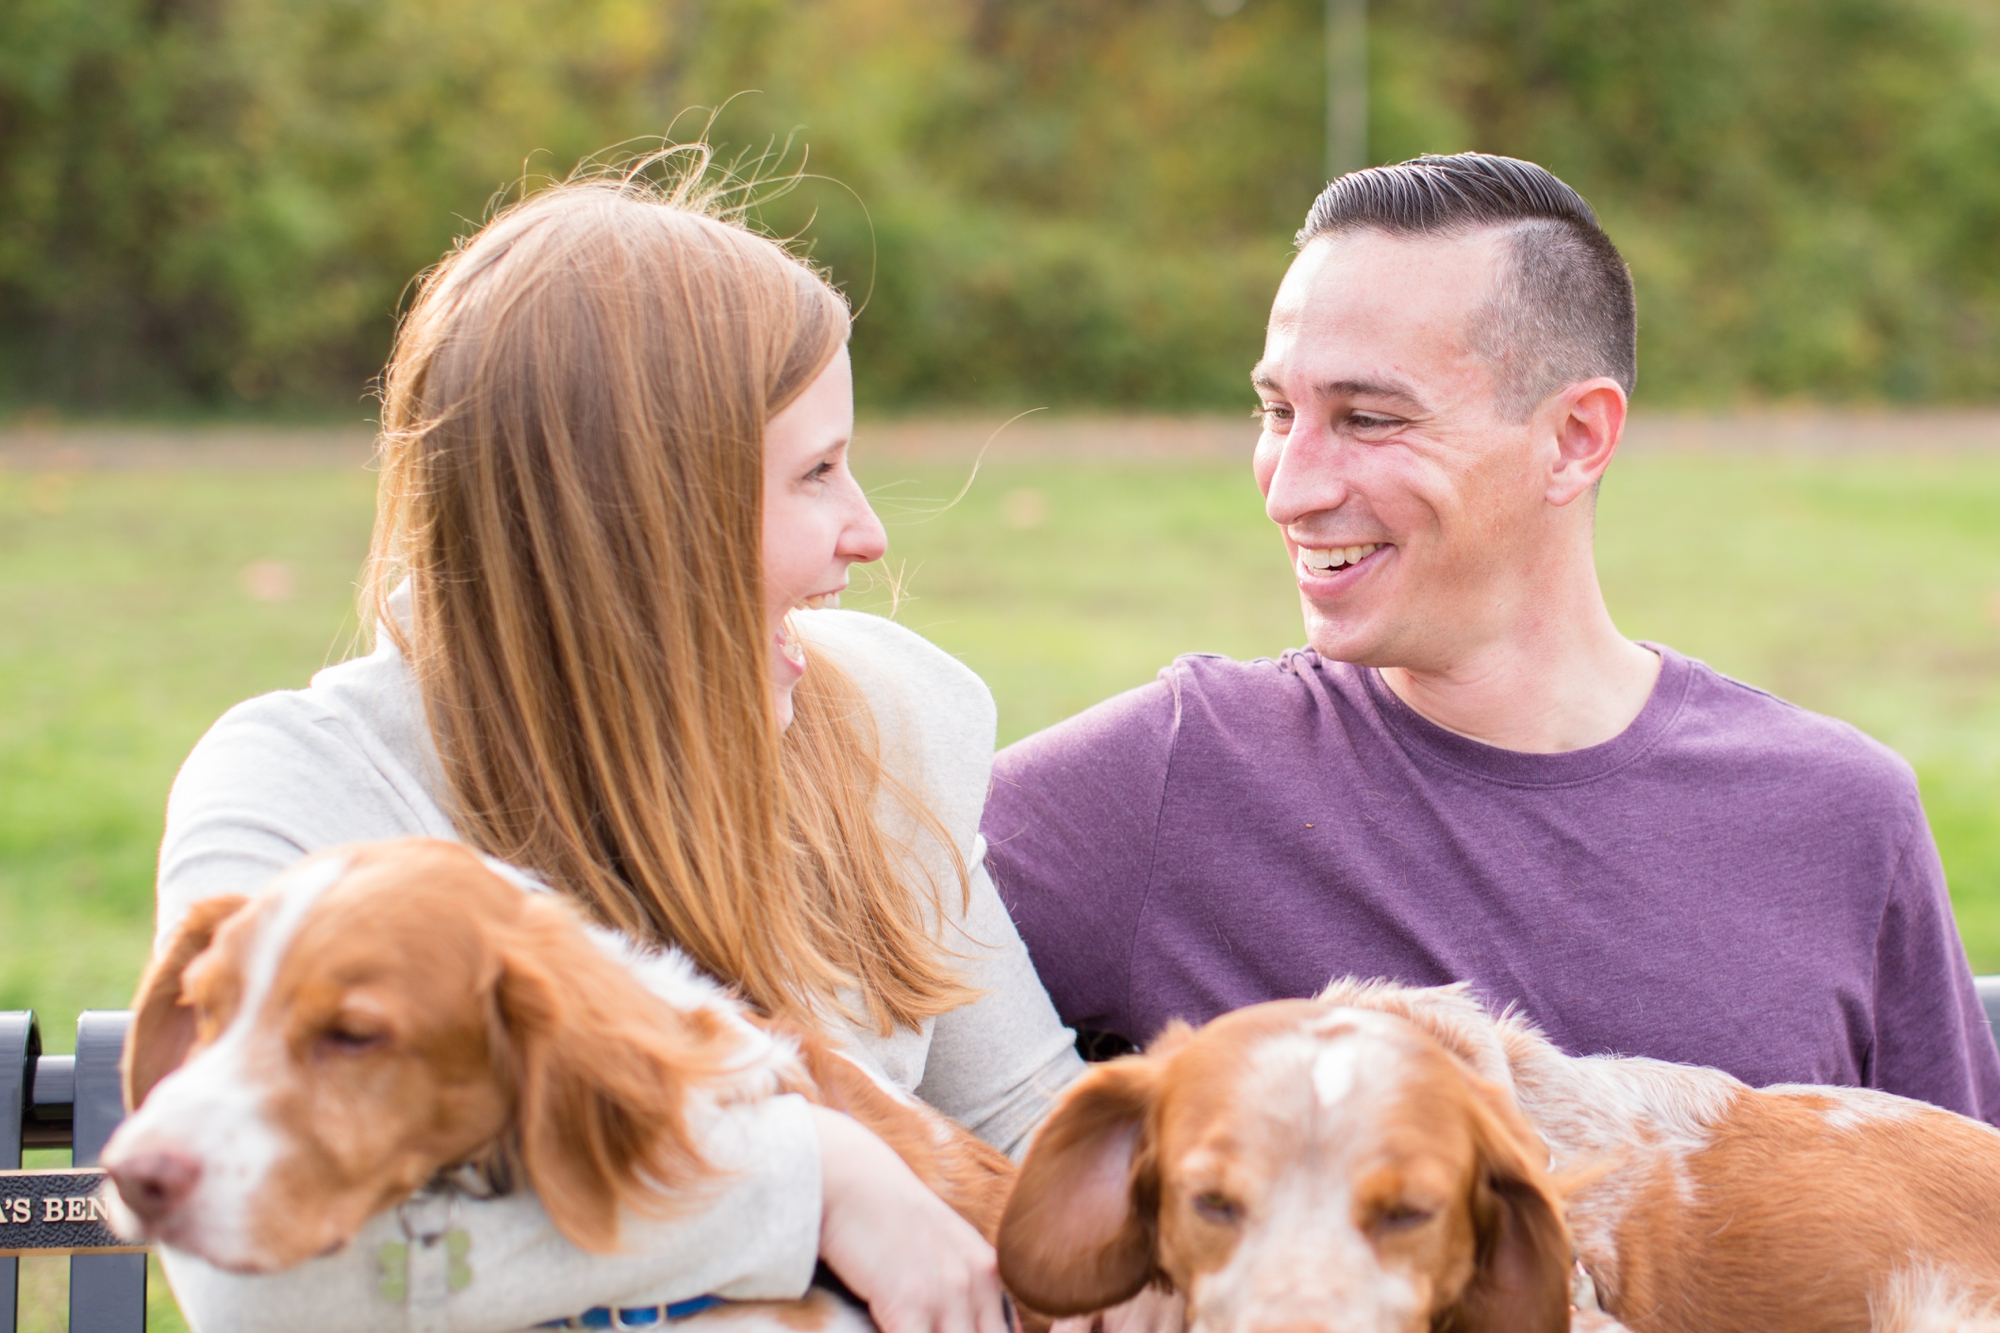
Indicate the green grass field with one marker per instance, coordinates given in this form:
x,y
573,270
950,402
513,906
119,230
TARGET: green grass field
x,y
1865,587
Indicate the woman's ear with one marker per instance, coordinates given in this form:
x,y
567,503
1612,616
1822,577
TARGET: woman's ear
x,y
1079,1228
602,1072
162,1022
1521,1281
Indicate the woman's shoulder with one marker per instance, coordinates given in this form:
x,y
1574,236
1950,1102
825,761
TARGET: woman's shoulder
x,y
934,714
367,709
897,667
344,760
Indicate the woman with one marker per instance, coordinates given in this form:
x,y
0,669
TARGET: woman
x,y
613,470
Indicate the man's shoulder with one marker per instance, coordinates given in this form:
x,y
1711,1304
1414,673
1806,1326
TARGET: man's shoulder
x,y
1735,734
1197,693
1735,713
1254,686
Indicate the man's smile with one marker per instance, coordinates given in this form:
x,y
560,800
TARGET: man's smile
x,y
1329,569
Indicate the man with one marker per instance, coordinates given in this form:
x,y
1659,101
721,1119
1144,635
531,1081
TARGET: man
x,y
1470,774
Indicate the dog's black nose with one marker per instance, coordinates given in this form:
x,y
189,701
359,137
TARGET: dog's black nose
x,y
153,1184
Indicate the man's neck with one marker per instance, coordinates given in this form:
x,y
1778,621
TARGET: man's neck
x,y
1578,686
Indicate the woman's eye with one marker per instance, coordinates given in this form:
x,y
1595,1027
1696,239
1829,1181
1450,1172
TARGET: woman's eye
x,y
1217,1208
820,472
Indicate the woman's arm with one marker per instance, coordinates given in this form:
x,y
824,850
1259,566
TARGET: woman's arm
x,y
994,1065
997,1064
920,1266
804,1182
756,1239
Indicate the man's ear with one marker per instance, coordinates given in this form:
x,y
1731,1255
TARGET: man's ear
x,y
1079,1229
602,1078
1589,421
1521,1280
162,1023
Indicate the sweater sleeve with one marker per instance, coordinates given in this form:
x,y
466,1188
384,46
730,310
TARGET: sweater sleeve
x,y
1932,1040
996,1065
757,1240
1072,825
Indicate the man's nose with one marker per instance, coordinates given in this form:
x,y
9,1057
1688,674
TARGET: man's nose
x,y
1300,473
153,1184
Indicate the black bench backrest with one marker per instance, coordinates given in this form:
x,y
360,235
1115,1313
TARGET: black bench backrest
x,y
74,1102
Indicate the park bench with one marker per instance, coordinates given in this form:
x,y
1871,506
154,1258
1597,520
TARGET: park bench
x,y
74,1102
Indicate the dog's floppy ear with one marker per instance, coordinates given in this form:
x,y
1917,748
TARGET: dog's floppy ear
x,y
601,1121
1079,1229
1521,1281
162,1022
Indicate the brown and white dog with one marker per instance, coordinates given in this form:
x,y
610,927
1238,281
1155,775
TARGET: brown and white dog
x,y
1703,1206
302,1060
1294,1167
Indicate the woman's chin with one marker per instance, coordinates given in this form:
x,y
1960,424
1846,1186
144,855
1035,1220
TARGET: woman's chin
x,y
786,672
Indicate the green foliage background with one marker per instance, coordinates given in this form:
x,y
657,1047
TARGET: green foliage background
x,y
217,204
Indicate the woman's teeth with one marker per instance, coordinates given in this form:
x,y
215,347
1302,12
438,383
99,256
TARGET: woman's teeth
x,y
826,601
789,644
1332,558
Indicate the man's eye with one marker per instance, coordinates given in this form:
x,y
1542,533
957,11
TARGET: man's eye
x,y
1370,422
1275,412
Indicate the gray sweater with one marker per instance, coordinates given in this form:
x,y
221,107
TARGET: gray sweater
x,y
349,759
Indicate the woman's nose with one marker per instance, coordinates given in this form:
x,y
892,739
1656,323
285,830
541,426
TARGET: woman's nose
x,y
863,539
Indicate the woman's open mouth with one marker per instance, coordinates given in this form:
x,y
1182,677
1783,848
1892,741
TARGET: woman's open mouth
x,y
789,645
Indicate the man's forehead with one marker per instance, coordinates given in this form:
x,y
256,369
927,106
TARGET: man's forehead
x,y
1393,302
1374,270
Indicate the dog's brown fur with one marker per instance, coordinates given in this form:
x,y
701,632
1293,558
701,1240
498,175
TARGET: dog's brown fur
x,y
1293,1166
426,1013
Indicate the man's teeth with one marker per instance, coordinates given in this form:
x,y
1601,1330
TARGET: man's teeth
x,y
824,602
1336,556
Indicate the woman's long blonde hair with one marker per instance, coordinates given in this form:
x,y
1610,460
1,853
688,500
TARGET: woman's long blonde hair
x,y
571,484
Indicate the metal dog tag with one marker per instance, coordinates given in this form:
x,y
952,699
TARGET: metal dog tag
x,y
436,1262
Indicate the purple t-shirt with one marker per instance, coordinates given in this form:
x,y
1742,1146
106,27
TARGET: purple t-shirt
x,y
1733,881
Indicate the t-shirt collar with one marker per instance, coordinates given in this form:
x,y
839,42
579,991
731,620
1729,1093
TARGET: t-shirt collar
x,y
1421,736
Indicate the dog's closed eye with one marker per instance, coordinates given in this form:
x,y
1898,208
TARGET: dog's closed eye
x,y
343,1039
1401,1216
1217,1207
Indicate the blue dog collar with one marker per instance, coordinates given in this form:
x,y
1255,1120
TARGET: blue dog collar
x,y
642,1316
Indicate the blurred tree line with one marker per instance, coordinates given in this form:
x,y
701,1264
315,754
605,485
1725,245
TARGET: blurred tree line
x,y
218,204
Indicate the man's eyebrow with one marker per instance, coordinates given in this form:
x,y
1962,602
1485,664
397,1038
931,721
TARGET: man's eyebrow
x,y
1261,377
1370,389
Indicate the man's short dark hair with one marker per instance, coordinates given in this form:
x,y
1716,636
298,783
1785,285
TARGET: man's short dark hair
x,y
1564,312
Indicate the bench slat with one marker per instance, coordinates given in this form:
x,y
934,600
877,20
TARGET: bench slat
x,y
107,1292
